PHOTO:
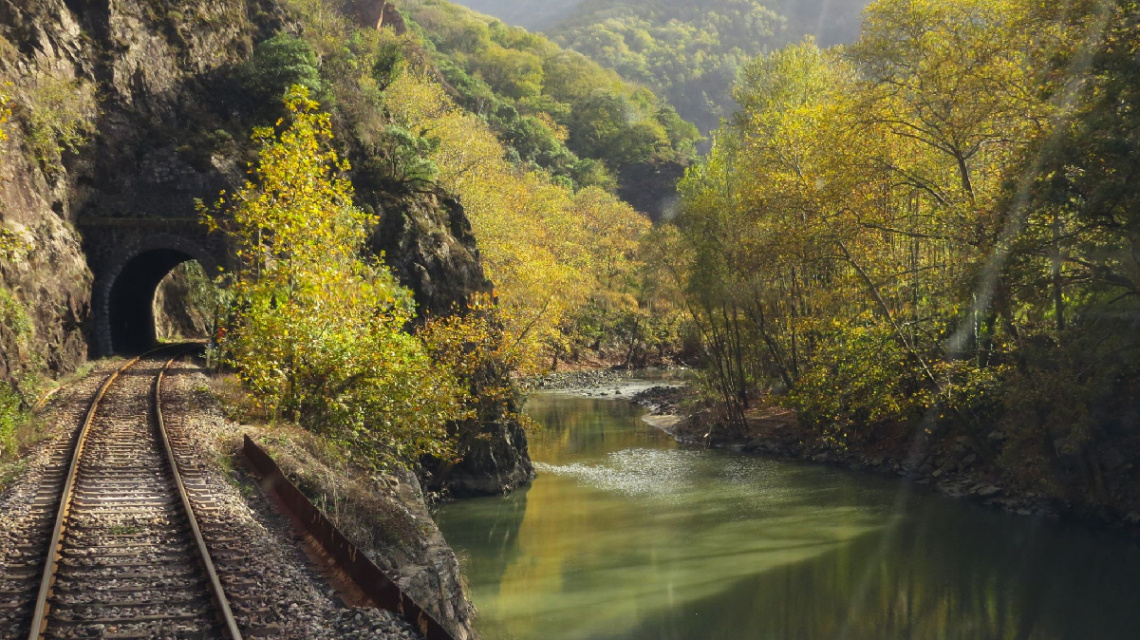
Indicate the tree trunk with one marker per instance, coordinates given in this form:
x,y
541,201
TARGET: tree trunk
x,y
1058,285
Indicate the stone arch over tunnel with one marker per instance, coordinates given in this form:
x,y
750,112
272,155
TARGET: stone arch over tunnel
x,y
128,269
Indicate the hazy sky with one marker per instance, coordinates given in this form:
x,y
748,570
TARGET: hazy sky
x,y
831,21
532,14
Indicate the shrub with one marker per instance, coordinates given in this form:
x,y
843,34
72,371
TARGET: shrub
x,y
475,347
390,63
10,246
14,316
58,115
11,417
856,379
402,162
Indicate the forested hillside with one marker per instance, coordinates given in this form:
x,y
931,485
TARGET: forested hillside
x,y
688,52
557,111
526,141
935,228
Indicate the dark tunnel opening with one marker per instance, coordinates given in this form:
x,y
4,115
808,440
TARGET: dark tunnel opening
x,y
132,317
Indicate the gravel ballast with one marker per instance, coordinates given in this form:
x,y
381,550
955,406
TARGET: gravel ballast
x,y
263,563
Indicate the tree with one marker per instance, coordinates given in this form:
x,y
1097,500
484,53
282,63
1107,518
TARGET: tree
x,y
515,74
936,229
316,332
605,126
401,163
549,251
281,62
390,63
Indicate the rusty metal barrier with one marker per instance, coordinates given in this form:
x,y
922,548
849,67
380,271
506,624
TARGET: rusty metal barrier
x,y
353,563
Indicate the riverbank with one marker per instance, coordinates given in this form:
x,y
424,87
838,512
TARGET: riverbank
x,y
611,383
626,534
948,466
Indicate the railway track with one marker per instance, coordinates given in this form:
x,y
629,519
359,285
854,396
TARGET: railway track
x,y
120,508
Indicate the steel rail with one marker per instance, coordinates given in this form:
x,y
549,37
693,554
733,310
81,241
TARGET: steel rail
x,y
216,589
51,563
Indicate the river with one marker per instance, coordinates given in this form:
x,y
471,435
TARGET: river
x,y
626,535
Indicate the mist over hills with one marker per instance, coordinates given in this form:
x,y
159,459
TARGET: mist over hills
x,y
829,21
687,52
535,15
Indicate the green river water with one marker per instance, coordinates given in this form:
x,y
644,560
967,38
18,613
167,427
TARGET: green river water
x,y
626,535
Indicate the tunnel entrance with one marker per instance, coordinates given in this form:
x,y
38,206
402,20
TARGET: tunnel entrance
x,y
158,295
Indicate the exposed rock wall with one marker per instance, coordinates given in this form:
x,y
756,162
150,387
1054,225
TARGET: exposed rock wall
x,y
426,567
375,14
493,462
144,64
427,241
46,283
168,126
183,306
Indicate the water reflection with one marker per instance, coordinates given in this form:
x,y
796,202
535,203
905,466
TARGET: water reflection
x,y
626,536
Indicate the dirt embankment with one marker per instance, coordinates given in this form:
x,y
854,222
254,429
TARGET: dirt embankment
x,y
383,513
948,466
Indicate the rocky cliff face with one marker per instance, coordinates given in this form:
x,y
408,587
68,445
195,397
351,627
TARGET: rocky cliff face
x,y
45,288
129,109
44,298
427,241
184,304
107,102
493,462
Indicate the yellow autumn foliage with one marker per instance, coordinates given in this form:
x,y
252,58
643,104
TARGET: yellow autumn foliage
x,y
549,251
316,332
